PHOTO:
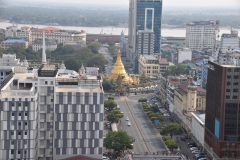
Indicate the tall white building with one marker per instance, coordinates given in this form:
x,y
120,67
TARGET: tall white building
x,y
51,114
229,42
201,34
145,42
184,54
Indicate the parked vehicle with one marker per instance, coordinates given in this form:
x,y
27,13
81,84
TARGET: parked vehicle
x,y
198,156
195,151
183,138
129,124
193,148
127,119
202,159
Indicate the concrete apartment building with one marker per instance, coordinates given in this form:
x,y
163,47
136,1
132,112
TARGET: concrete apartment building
x,y
149,65
229,42
10,42
163,63
201,34
198,127
52,114
22,33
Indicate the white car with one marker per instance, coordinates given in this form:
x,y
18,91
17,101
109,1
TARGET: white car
x,y
105,158
202,159
129,124
195,151
193,148
166,115
127,119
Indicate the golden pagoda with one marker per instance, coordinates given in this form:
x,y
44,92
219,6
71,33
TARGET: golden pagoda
x,y
118,69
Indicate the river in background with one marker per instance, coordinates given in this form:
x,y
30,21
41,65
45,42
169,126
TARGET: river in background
x,y
166,32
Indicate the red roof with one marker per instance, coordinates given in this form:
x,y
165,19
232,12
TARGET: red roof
x,y
163,61
48,29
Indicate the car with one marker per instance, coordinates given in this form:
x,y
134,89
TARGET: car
x,y
127,119
195,151
105,154
183,138
166,115
202,159
193,148
106,109
105,158
203,154
129,124
191,143
199,156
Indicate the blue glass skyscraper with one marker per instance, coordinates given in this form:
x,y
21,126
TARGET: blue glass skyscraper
x,y
145,15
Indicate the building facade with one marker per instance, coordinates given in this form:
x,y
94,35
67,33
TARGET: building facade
x,y
149,65
10,42
145,42
198,127
222,111
50,45
163,62
183,55
201,34
23,33
145,14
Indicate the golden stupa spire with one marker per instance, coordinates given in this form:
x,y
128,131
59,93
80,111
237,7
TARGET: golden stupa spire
x,y
118,69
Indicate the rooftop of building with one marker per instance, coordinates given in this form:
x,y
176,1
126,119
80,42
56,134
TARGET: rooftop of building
x,y
163,61
150,57
25,27
15,41
199,117
48,29
182,88
209,22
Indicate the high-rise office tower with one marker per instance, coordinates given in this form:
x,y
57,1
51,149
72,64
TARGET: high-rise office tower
x,y
145,15
222,123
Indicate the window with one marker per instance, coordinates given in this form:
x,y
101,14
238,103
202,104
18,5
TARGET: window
x,y
235,90
51,82
12,151
25,123
19,152
12,113
228,83
19,123
19,114
228,77
19,133
227,97
12,133
25,141
234,97
51,100
12,103
26,113
25,132
236,77
19,103
25,152
46,82
227,90
236,83
12,142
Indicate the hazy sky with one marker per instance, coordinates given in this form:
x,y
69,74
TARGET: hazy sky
x,y
165,2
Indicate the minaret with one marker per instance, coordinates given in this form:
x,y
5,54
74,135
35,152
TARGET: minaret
x,y
44,59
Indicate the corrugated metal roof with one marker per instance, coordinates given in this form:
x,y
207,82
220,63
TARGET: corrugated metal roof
x,y
15,41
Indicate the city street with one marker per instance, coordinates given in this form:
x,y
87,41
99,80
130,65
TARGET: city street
x,y
147,139
105,52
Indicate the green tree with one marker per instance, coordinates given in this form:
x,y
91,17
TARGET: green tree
x,y
171,128
94,46
195,78
142,100
176,70
97,61
165,138
114,116
111,43
110,104
108,85
171,144
119,141
110,98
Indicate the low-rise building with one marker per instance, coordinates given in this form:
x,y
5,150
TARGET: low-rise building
x,y
14,32
49,43
183,55
10,42
74,45
163,62
198,127
149,65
